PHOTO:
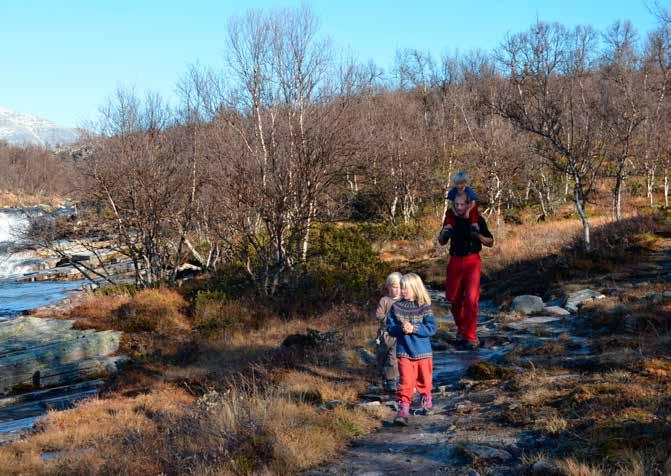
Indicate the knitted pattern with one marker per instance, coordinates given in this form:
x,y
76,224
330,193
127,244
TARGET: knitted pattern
x,y
417,345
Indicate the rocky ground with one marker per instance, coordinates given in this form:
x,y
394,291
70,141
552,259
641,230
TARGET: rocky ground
x,y
492,414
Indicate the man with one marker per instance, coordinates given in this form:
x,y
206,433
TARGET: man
x,y
462,280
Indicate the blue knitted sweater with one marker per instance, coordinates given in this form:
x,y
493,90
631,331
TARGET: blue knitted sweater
x,y
417,345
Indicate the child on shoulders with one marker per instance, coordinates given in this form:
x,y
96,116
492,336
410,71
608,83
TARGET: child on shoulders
x,y
460,185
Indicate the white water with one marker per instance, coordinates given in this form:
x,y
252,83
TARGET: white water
x,y
13,224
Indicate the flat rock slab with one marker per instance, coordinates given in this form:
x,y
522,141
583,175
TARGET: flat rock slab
x,y
532,322
58,364
578,298
556,311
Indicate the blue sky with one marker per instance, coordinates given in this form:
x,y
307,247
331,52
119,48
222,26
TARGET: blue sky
x,y
61,59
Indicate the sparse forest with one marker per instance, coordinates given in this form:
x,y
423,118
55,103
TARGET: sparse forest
x,y
286,136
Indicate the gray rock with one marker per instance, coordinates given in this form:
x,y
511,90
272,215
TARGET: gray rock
x,y
369,404
528,304
531,322
366,356
556,311
543,467
577,299
331,404
488,453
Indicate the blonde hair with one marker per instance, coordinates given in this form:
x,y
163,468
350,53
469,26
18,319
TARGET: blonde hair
x,y
415,284
394,278
459,177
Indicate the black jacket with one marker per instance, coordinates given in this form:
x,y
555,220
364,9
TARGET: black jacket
x,y
462,243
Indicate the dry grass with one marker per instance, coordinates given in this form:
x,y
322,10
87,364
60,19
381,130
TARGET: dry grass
x,y
261,412
165,433
570,467
158,310
22,200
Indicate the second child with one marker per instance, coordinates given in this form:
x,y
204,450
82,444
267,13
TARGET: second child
x,y
386,344
411,321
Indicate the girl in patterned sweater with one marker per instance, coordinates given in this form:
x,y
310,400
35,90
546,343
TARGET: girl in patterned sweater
x,y
411,321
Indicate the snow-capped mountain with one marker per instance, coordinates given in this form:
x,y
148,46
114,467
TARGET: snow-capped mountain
x,y
25,129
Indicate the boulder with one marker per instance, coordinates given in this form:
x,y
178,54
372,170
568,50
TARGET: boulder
x,y
575,300
528,304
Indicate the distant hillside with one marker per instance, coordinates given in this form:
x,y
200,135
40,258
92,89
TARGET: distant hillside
x,y
24,129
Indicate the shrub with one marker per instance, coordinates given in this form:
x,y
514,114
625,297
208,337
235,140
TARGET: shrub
x,y
366,206
215,314
156,310
342,267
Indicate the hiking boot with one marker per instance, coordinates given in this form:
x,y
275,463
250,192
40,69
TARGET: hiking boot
x,y
402,415
427,405
470,345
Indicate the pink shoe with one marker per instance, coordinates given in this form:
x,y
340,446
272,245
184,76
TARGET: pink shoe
x,y
403,414
427,404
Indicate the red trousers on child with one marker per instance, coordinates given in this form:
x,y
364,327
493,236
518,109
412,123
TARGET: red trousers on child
x,y
414,374
462,289
451,218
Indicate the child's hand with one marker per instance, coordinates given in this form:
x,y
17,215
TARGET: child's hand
x,y
408,328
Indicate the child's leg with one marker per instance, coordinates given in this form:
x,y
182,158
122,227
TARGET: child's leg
x,y
381,355
392,361
473,217
407,370
450,218
390,365
425,377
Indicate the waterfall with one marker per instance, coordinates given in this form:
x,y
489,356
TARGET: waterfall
x,y
13,223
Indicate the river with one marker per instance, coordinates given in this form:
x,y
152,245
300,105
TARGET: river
x,y
17,297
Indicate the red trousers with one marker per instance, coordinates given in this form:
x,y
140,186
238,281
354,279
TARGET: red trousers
x,y
451,218
462,289
414,374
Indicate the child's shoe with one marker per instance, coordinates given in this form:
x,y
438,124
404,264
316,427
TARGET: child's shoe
x,y
427,405
403,414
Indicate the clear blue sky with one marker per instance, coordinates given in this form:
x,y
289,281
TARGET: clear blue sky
x,y
60,59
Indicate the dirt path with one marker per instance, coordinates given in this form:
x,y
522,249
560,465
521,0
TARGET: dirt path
x,y
470,431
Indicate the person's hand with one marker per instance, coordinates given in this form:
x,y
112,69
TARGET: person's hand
x,y
408,328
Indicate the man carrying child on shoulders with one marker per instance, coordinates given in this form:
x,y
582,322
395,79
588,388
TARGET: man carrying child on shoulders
x,y
462,281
